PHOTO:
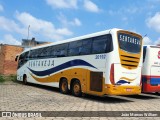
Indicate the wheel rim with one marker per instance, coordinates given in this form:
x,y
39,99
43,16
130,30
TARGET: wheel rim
x,y
64,86
76,89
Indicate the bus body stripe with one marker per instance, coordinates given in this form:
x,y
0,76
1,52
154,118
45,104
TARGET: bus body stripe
x,y
56,77
68,64
153,79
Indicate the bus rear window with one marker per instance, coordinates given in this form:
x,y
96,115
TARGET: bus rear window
x,y
129,42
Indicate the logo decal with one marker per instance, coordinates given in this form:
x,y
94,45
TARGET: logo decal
x,y
65,65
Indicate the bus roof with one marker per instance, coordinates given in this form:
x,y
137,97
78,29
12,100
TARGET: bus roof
x,y
152,46
75,38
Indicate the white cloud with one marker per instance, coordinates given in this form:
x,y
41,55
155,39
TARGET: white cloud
x,y
62,3
38,27
132,10
64,31
10,25
90,6
9,39
77,22
125,20
66,22
125,11
43,27
147,41
154,22
1,8
157,42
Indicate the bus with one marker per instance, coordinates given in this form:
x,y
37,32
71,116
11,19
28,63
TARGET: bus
x,y
103,63
151,69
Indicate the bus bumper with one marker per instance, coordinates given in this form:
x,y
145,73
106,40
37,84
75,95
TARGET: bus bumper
x,y
148,88
122,90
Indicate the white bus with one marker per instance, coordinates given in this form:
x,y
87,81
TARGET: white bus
x,y
103,63
151,69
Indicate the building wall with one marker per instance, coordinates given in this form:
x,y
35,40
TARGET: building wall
x,y
1,59
8,63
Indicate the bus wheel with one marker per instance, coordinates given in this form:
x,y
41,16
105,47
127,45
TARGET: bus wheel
x,y
63,86
158,93
25,79
76,88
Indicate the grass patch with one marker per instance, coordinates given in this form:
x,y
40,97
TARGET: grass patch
x,y
13,78
1,79
8,78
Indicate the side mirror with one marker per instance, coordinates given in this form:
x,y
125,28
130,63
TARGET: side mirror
x,y
16,59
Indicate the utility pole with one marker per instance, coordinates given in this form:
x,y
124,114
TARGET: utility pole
x,y
28,35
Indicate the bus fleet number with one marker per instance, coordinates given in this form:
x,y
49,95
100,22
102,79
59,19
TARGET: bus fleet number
x,y
100,57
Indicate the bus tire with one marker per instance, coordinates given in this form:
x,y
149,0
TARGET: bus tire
x,y
25,79
63,86
76,88
158,93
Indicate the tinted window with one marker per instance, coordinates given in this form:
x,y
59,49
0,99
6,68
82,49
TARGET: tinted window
x,y
129,42
95,45
49,51
23,59
86,47
45,52
109,45
59,50
74,48
63,50
102,44
35,53
41,53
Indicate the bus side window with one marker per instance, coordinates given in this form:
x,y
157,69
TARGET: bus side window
x,y
43,52
63,50
74,48
23,59
144,52
102,44
56,51
32,54
109,45
99,44
86,46
49,51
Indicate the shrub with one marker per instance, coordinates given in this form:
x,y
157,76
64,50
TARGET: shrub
x,y
13,78
1,79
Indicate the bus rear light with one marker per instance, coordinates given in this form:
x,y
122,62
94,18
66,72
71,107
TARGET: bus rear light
x,y
112,74
141,79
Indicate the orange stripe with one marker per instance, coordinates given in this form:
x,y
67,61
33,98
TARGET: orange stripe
x,y
128,79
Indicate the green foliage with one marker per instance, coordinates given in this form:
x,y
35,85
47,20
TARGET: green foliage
x,y
13,78
4,78
1,79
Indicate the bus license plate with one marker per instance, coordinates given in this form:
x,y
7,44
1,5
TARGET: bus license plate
x,y
128,89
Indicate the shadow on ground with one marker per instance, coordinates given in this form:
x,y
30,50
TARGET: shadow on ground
x,y
104,99
142,96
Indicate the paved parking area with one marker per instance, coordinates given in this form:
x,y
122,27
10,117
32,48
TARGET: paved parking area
x,y
19,97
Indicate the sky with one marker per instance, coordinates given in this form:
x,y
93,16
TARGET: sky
x,y
54,20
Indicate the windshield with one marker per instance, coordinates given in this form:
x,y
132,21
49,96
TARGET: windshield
x,y
129,42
